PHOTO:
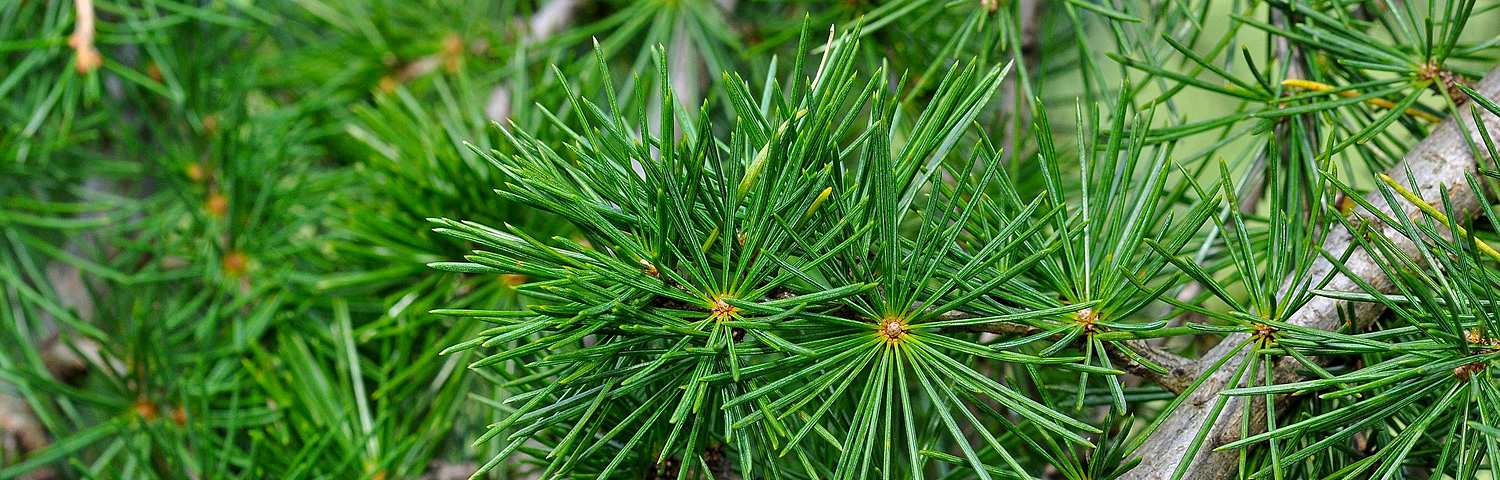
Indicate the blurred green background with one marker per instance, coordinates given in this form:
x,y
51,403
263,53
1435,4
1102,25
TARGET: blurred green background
x,y
213,241
213,235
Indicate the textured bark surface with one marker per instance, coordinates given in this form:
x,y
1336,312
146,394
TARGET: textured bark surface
x,y
1438,163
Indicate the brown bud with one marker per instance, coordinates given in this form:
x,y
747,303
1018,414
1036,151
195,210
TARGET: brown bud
x,y
217,205
722,310
88,59
453,53
1463,372
234,263
145,408
195,172
1345,204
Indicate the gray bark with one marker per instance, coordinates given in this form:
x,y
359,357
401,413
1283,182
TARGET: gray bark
x,y
1438,163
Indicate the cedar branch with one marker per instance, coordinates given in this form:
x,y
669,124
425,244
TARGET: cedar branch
x,y
1438,164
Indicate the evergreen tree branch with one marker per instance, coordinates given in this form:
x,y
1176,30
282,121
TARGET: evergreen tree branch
x,y
1438,164
1179,371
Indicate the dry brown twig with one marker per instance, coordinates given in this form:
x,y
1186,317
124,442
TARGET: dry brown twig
x,y
82,40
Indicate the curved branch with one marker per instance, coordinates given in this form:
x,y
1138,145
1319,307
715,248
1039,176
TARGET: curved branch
x,y
1438,163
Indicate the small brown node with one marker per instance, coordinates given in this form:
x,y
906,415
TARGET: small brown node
x,y
1475,338
217,205
1345,204
388,84
893,329
88,58
1089,319
1264,335
1464,372
453,52
722,310
1443,80
234,263
195,173
145,408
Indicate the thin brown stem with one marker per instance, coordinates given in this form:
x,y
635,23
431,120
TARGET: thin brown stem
x,y
1179,370
82,40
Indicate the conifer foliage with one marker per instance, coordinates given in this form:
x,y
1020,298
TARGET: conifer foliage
x,y
716,239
